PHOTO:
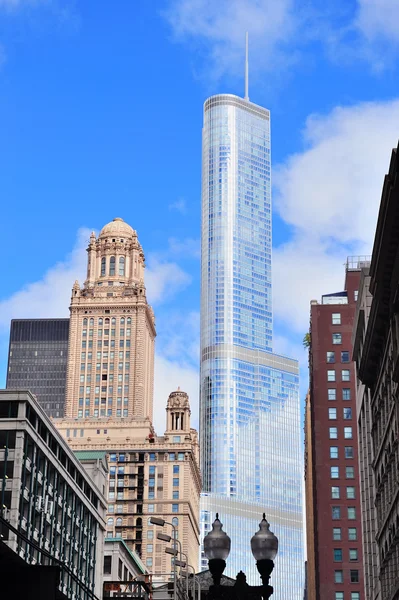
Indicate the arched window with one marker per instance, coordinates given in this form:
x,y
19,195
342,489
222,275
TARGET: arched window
x,y
84,322
122,266
122,321
139,522
100,321
91,322
129,321
113,321
110,521
103,266
107,321
175,521
112,265
118,522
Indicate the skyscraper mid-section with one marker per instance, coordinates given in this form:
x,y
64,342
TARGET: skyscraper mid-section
x,y
251,455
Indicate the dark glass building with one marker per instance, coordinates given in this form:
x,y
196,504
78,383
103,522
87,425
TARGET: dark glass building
x,y
37,360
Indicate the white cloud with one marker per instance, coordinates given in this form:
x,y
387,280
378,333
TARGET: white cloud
x,y
179,206
50,296
220,28
187,247
164,280
169,375
378,19
330,195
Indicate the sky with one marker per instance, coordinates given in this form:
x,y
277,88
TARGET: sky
x,y
101,115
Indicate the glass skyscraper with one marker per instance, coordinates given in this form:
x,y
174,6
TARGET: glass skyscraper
x,y
250,427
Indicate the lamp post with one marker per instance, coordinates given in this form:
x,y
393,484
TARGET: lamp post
x,y
264,546
162,523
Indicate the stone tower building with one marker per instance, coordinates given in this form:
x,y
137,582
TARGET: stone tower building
x,y
110,369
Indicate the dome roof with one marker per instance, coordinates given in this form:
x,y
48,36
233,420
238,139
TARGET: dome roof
x,y
117,228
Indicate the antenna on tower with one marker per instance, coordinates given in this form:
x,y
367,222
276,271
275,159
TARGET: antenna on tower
x,y
246,97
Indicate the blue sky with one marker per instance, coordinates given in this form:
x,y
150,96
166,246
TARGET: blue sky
x,y
101,114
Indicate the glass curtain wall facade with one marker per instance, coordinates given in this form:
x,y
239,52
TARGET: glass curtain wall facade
x,y
37,361
251,456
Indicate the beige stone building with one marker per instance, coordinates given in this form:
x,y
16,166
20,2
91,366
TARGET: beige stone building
x,y
149,475
110,369
109,404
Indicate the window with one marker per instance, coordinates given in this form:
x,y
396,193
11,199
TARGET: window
x,y
332,414
347,413
332,394
350,472
175,494
346,376
336,318
338,576
345,357
353,554
333,433
331,357
346,394
149,548
150,508
334,472
112,265
348,433
122,266
337,554
352,534
175,521
110,521
350,492
335,492
148,562
336,512
107,565
351,513
336,338
150,534
339,595
333,451
175,482
348,451
103,266
331,375
355,295
175,508
337,534
355,595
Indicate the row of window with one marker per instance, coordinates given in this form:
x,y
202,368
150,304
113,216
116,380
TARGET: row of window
x,y
346,413
345,357
349,472
152,456
333,432
353,576
106,331
336,494
102,412
345,375
106,343
112,266
334,452
337,531
336,510
332,393
106,321
338,553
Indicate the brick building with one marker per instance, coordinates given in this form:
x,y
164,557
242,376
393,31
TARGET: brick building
x,y
331,461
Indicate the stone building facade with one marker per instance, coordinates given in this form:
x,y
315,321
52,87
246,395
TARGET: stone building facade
x,y
149,475
376,352
110,370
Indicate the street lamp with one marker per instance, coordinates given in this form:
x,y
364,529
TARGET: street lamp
x,y
161,523
264,546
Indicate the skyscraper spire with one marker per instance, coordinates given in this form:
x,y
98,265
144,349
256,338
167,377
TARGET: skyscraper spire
x,y
246,97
